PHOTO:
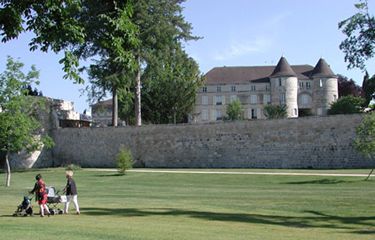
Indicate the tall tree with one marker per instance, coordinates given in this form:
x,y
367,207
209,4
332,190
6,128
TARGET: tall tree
x,y
19,128
169,88
162,28
359,46
99,31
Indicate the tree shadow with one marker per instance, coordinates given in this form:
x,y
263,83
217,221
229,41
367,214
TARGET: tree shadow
x,y
320,181
111,175
314,220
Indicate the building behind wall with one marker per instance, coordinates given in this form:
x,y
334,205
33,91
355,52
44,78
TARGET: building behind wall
x,y
304,89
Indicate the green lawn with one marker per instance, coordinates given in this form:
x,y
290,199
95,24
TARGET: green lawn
x,y
197,206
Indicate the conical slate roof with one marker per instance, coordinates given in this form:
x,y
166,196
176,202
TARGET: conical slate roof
x,y
283,69
322,69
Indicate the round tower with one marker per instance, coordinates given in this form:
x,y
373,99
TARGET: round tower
x,y
325,90
284,87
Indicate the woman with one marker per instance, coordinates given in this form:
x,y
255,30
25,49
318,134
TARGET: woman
x,y
71,192
40,194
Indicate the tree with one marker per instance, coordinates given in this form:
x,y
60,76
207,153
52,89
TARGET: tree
x,y
169,88
348,87
359,46
234,110
365,137
275,111
162,28
99,31
19,129
347,105
368,86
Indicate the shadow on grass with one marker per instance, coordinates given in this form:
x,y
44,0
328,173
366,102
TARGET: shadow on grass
x,y
320,181
313,220
111,175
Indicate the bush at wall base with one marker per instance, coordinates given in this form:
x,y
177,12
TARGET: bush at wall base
x,y
124,160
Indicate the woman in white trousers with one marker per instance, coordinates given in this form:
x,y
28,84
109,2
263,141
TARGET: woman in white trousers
x,y
71,192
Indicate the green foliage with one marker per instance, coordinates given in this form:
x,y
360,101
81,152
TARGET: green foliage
x,y
18,125
234,110
275,111
368,87
124,160
359,46
346,105
169,88
365,139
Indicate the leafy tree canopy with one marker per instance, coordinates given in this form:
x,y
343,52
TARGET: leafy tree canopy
x,y
347,105
359,46
19,127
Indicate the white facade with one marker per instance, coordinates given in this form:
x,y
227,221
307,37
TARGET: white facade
x,y
302,88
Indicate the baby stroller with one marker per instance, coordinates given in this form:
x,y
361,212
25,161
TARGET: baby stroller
x,y
24,208
53,199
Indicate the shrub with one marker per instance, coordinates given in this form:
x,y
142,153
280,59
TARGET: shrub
x,y
347,105
275,111
124,160
234,110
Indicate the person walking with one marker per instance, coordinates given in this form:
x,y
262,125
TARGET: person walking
x,y
40,195
71,192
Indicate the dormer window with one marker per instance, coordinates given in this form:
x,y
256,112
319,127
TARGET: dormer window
x,y
204,89
218,88
280,82
320,83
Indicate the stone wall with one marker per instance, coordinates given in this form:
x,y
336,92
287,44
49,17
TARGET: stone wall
x,y
314,142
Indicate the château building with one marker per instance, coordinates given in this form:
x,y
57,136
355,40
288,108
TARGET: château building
x,y
304,89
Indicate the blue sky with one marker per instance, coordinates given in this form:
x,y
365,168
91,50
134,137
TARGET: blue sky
x,y
235,33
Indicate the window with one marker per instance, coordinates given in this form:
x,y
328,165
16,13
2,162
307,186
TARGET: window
x,y
301,85
253,99
233,88
219,100
308,85
267,87
218,88
282,98
266,99
334,97
204,89
204,100
218,115
320,83
280,82
204,114
253,88
295,112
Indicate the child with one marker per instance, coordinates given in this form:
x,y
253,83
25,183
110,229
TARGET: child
x,y
40,194
71,192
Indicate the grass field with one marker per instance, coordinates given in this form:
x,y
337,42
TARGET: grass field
x,y
197,206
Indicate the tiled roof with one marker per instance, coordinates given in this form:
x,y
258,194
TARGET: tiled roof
x,y
283,69
322,69
257,74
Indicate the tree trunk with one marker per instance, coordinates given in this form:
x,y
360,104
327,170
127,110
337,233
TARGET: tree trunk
x,y
138,116
369,175
7,182
114,107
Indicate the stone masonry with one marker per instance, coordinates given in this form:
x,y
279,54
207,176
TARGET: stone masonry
x,y
313,142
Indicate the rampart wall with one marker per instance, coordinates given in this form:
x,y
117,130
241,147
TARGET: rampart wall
x,y
314,142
